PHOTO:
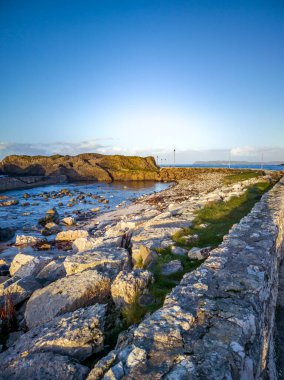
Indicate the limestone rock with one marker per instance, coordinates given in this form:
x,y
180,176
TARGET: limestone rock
x,y
127,287
199,253
172,267
142,255
27,240
19,289
69,221
50,216
71,235
51,272
179,251
117,258
50,228
82,244
67,294
78,334
43,366
28,265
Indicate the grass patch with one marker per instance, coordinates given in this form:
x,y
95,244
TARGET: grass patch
x,y
242,176
220,216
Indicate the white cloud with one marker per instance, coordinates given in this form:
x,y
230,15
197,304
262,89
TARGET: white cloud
x,y
165,156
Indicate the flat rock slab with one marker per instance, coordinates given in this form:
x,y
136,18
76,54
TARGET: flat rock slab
x,y
67,294
117,258
78,334
44,366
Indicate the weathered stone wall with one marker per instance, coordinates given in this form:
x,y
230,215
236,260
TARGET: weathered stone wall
x,y
11,183
218,323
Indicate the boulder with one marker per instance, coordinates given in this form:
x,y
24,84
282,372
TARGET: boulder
x,y
28,240
71,235
127,287
19,289
51,272
27,265
78,334
84,244
199,253
67,294
117,259
179,251
142,256
50,216
50,228
9,202
69,221
172,267
43,366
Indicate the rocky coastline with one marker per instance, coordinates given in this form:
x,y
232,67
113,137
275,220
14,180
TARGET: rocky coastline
x,y
63,308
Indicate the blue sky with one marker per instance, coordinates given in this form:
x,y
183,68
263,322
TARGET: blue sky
x,y
143,77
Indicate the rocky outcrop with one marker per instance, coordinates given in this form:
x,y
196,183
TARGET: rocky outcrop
x,y
10,183
76,335
44,366
67,294
89,166
218,323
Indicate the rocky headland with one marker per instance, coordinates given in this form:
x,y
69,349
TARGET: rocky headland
x,y
140,293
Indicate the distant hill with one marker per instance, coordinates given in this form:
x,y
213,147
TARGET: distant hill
x,y
237,163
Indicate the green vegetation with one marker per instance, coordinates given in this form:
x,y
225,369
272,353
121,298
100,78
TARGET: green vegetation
x,y
215,220
210,224
242,176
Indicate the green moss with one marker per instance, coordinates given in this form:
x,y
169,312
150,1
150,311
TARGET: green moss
x,y
242,176
220,216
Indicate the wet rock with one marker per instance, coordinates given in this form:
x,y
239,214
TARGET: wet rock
x,y
28,265
172,267
67,294
116,259
6,233
127,287
71,235
69,221
50,216
50,228
26,195
199,253
96,209
142,256
19,289
9,202
27,240
78,334
43,366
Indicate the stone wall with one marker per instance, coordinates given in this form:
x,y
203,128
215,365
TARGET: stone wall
x,y
218,323
11,183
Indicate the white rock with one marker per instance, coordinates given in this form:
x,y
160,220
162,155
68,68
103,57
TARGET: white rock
x,y
28,265
69,221
71,235
27,240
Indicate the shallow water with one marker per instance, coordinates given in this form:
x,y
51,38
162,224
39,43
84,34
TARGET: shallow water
x,y
24,218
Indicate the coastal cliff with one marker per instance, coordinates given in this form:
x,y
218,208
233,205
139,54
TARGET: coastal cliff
x,y
89,167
